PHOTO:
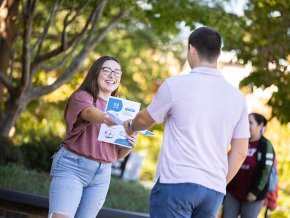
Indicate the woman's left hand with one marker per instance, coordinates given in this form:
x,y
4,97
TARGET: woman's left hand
x,y
251,197
133,139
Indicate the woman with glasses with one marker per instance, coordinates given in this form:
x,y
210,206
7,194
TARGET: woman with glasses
x,y
81,169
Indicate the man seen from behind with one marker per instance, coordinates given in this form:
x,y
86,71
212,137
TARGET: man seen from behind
x,y
203,116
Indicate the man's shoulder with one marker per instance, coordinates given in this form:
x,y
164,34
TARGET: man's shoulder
x,y
232,90
176,78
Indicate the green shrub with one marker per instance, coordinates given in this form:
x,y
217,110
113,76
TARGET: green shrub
x,y
34,155
9,153
37,155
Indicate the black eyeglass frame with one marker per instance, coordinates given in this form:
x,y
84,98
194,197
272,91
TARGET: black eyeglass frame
x,y
108,71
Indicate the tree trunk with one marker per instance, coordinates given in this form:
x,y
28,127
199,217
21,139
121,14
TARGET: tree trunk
x,y
8,33
15,106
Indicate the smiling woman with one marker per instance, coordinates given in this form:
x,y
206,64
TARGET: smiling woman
x,y
110,78
81,169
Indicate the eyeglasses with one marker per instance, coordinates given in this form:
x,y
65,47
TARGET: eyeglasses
x,y
107,71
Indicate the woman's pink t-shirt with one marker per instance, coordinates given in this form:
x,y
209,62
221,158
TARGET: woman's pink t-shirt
x,y
81,135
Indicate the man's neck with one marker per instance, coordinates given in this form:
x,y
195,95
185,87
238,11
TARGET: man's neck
x,y
207,64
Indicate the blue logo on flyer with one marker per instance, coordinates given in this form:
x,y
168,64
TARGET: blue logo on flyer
x,y
114,105
129,109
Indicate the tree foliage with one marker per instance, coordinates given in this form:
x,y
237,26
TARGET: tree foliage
x,y
45,43
266,44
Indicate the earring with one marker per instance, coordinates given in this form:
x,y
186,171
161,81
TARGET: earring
x,y
263,129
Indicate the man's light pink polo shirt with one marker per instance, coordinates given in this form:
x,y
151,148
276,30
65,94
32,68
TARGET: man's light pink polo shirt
x,y
202,113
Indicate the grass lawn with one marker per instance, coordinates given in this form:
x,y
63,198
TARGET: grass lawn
x,y
126,195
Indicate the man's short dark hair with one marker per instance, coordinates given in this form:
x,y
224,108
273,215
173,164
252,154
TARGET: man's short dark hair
x,y
207,41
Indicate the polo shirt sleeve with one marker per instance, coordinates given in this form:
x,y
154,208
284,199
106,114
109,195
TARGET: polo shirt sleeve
x,y
77,103
161,103
242,129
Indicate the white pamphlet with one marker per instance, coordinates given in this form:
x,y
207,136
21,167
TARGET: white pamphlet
x,y
119,111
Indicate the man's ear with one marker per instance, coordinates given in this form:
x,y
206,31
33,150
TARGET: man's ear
x,y
192,50
219,54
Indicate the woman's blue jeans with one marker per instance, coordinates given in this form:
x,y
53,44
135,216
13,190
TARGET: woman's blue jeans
x,y
79,185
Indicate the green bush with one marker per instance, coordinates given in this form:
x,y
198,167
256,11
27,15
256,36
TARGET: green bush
x,y
37,155
34,155
9,153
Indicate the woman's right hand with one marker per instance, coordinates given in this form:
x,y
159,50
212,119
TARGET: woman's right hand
x,y
108,121
95,115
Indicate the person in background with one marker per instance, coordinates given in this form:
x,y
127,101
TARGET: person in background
x,y
203,115
81,169
248,189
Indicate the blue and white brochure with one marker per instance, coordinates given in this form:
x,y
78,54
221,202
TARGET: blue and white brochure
x,y
120,110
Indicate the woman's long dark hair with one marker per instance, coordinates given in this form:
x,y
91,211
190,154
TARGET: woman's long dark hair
x,y
90,84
